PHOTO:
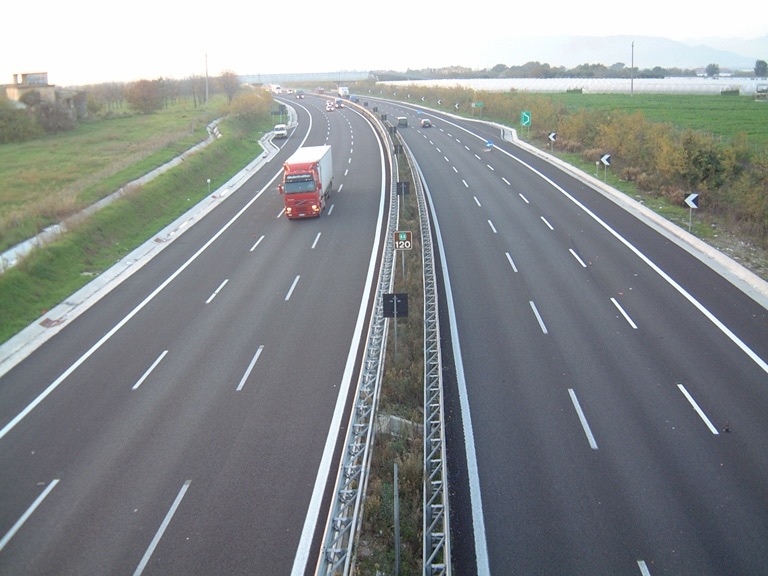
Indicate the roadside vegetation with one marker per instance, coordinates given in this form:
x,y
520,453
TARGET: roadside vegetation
x,y
56,176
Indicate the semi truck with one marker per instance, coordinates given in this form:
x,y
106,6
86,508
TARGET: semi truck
x,y
307,181
344,91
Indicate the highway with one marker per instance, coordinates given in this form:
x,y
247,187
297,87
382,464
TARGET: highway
x,y
606,390
184,424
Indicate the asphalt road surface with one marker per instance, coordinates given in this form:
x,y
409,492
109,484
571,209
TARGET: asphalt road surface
x,y
182,424
607,392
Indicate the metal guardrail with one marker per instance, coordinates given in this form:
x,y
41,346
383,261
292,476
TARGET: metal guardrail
x,y
436,548
349,491
344,520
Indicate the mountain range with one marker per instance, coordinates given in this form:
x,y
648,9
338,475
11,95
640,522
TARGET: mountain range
x,y
648,51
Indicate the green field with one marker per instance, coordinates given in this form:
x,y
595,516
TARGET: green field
x,y
45,180
726,116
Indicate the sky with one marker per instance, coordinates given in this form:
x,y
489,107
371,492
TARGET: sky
x,y
82,42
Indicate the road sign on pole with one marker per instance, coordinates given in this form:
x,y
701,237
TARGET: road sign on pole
x,y
525,118
403,240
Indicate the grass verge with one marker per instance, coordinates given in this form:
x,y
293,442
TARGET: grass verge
x,y
50,274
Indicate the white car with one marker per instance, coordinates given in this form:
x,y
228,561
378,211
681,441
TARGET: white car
x,y
280,131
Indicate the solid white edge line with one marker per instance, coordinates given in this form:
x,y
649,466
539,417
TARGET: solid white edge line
x,y
643,568
149,370
583,419
313,510
24,517
698,409
475,494
161,530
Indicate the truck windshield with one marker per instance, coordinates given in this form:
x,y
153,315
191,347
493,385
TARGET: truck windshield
x,y
299,183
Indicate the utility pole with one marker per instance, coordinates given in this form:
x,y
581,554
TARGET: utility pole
x,y
206,79
632,72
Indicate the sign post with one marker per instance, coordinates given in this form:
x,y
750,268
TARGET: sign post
x,y
525,120
606,160
403,241
395,306
692,200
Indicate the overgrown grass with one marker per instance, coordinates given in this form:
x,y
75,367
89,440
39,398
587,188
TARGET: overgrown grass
x,y
48,275
44,181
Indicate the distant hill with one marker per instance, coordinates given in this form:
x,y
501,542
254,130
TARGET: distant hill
x,y
649,51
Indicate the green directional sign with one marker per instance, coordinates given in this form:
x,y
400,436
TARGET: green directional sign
x,y
477,104
525,118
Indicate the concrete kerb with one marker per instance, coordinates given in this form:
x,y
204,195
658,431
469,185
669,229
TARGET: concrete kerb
x,y
30,338
745,280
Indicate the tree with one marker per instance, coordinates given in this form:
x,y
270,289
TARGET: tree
x,y
230,83
761,68
712,70
145,96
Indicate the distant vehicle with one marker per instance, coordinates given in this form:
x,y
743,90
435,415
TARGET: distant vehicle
x,y
344,91
426,123
402,121
276,88
280,131
299,94
329,106
354,98
339,103
289,91
320,90
307,181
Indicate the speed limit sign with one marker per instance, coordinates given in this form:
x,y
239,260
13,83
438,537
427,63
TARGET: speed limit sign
x,y
403,240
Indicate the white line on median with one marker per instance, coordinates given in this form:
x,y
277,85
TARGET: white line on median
x,y
150,369
538,317
699,411
623,313
583,419
511,262
161,530
293,286
257,243
579,260
212,296
250,368
20,522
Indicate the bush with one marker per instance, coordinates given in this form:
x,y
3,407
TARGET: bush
x,y
16,125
